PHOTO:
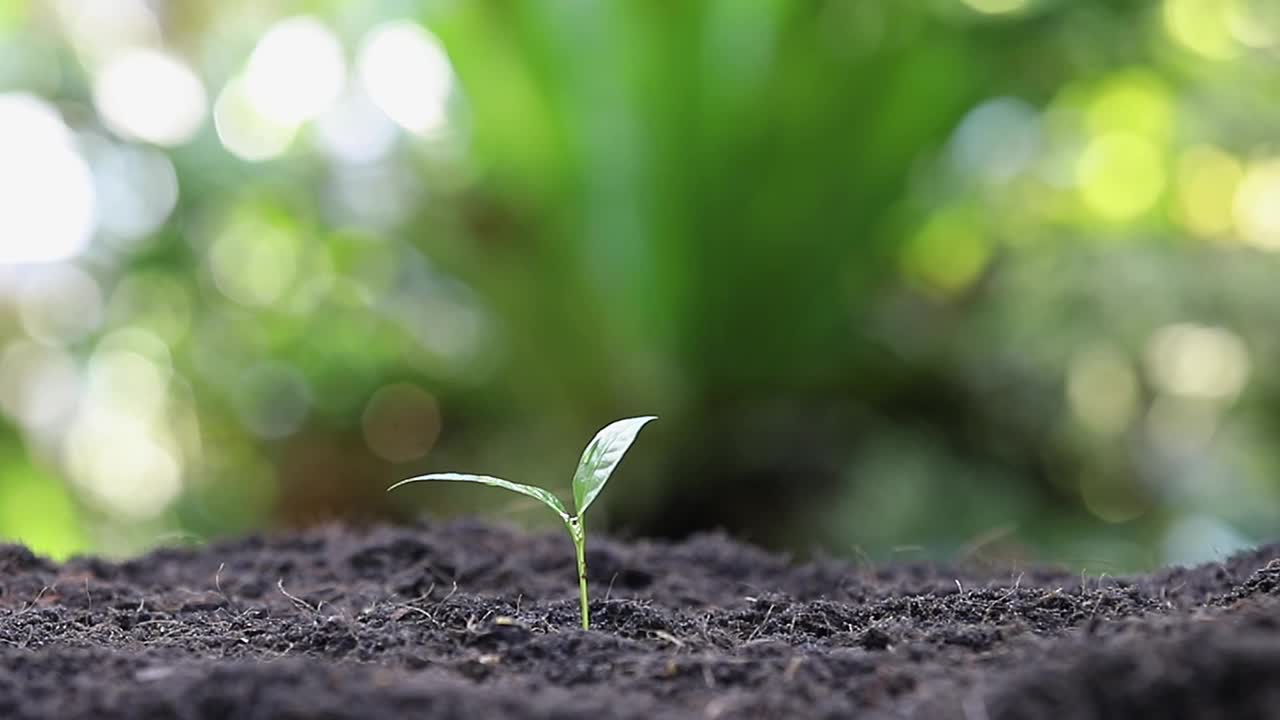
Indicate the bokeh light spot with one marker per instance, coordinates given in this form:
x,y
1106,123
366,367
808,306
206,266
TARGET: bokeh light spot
x,y
1121,176
1102,389
996,140
1132,101
1198,361
101,28
243,130
1202,26
401,422
295,72
1256,23
144,94
60,305
1257,205
47,202
39,386
948,252
121,468
119,449
996,7
1207,182
253,261
137,189
408,75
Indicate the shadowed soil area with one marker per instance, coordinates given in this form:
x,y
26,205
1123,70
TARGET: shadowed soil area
x,y
472,620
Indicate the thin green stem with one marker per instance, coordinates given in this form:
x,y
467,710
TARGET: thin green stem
x,y
579,533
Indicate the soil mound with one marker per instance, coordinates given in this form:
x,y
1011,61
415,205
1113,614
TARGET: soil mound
x,y
471,620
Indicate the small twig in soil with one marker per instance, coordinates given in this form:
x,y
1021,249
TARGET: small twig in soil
x,y
767,614
609,592
88,594
217,581
296,600
35,600
664,635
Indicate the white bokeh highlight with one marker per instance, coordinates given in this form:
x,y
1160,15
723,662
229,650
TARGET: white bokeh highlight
x,y
406,72
144,94
47,199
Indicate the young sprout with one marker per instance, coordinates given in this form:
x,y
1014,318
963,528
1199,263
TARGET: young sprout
x,y
598,462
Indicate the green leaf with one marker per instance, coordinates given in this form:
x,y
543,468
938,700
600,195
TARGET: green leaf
x,y
602,455
551,500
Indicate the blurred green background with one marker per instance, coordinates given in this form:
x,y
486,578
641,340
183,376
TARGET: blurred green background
x,y
939,278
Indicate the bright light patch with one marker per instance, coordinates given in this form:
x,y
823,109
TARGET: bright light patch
x,y
296,71
996,140
408,75
253,261
1102,390
100,28
60,304
119,450
127,382
39,385
147,95
1196,361
1121,176
1132,101
1207,182
121,466
137,188
1197,539
46,189
243,130
1257,206
1202,26
996,7
1256,23
948,253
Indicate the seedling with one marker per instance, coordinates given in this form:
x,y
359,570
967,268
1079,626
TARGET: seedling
x,y
598,462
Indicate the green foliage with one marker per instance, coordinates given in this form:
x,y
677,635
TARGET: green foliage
x,y
926,253
598,462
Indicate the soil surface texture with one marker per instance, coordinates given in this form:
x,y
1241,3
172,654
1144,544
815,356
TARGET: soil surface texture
x,y
471,620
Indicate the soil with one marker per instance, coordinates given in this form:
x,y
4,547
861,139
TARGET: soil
x,y
471,620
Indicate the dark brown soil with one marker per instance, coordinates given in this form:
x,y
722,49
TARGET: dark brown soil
x,y
468,620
